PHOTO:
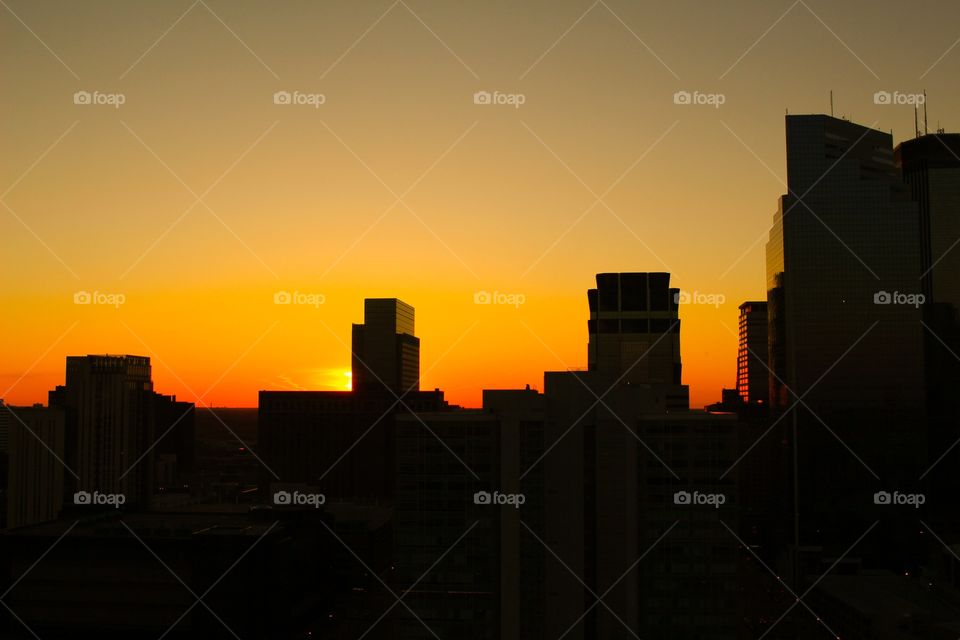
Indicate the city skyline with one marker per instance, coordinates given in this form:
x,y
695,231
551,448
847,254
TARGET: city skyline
x,y
505,197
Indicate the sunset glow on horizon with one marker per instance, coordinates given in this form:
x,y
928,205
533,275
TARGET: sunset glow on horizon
x,y
186,210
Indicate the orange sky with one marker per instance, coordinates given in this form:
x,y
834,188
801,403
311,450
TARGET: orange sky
x,y
199,198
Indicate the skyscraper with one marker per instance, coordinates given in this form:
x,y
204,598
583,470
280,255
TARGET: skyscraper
x,y
386,353
752,374
36,471
110,422
930,165
842,258
634,331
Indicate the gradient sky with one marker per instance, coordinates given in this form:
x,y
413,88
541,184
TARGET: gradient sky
x,y
492,197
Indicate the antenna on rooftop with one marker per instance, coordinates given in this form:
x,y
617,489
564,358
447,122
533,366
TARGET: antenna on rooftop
x,y
925,112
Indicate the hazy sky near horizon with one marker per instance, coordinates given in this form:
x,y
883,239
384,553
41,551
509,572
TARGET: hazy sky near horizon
x,y
199,198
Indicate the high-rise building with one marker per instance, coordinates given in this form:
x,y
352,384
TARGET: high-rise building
x,y
36,464
930,165
110,421
846,345
843,263
752,374
634,331
386,352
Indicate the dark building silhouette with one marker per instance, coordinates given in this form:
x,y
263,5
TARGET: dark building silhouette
x,y
176,441
344,441
110,421
634,331
386,352
845,336
35,475
752,374
844,241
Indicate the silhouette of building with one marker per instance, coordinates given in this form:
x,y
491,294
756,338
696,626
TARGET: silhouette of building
x,y
386,351
930,165
844,243
176,441
345,441
110,410
846,344
752,374
36,468
634,331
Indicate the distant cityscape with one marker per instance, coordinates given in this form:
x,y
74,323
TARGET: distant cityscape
x,y
815,499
